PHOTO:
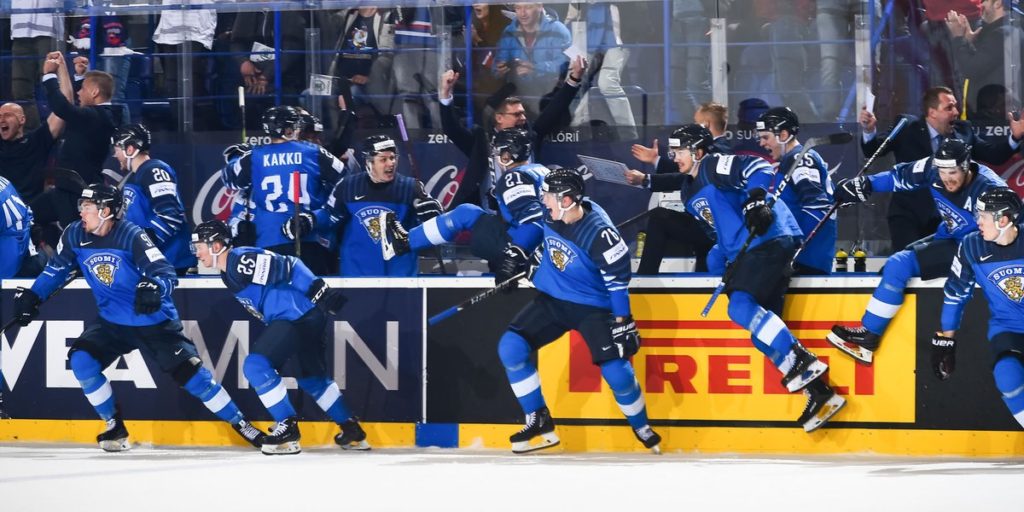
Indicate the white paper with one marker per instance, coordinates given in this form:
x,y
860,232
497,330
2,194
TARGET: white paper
x,y
869,100
261,57
321,85
607,170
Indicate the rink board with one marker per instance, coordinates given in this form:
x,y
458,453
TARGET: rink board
x,y
707,388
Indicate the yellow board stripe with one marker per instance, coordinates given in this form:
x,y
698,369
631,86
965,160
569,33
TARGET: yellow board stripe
x,y
774,441
192,433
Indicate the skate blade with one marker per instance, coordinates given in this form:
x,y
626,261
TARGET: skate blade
x,y
813,372
830,409
116,445
357,446
549,440
289,448
656,449
861,354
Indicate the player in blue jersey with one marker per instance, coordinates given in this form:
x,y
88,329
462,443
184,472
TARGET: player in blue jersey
x,y
955,183
132,283
151,198
730,193
14,230
505,241
994,259
809,192
582,277
264,176
283,294
360,202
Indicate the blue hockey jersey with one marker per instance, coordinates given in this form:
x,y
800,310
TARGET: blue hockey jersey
x,y
14,231
716,196
152,202
112,265
809,196
264,176
270,286
585,262
519,192
999,270
956,209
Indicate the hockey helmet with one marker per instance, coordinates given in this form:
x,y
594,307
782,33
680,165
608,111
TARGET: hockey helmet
x,y
135,135
999,201
777,119
377,144
514,141
691,136
277,120
103,196
209,232
564,182
953,152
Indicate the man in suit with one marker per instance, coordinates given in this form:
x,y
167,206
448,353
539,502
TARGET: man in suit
x,y
912,214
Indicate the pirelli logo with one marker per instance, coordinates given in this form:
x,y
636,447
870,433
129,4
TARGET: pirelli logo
x,y
708,369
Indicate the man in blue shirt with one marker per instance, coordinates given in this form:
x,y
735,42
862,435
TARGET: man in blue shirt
x,y
283,294
132,283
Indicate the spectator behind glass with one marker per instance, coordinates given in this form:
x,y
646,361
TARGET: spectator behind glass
x,y
601,26
32,35
978,52
488,24
939,42
364,57
23,155
530,53
178,29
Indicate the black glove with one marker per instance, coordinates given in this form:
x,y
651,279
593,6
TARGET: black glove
x,y
626,337
26,306
852,191
147,297
427,208
943,356
515,262
236,150
298,227
534,264
330,299
757,213
245,234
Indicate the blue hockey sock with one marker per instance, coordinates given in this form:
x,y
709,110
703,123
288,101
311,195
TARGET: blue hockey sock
x,y
203,386
269,386
95,385
445,227
522,374
888,297
328,396
620,376
768,332
1009,375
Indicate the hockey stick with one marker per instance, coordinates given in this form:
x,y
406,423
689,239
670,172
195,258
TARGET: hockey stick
x,y
407,146
241,106
833,139
480,297
296,197
835,206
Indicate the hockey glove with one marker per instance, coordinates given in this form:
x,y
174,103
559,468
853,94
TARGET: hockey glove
x,y
625,337
515,262
329,299
147,297
245,234
26,306
852,191
943,356
427,208
299,226
236,151
757,213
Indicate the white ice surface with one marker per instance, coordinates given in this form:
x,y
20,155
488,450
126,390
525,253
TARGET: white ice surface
x,y
78,479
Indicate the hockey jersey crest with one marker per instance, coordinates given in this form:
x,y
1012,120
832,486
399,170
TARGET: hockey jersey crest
x,y
1009,280
103,266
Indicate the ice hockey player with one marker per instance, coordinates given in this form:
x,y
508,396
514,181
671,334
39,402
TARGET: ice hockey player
x,y
582,276
293,303
360,202
132,283
151,197
15,239
731,194
994,259
809,192
505,241
955,182
264,176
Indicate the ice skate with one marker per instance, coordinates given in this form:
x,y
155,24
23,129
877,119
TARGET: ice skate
x,y
858,342
394,239
805,369
822,403
538,425
649,438
251,434
352,436
115,437
284,439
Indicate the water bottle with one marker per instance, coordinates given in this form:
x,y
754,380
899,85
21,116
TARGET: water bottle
x,y
641,237
860,260
841,261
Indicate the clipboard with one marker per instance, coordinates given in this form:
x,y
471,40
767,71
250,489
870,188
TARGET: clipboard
x,y
607,170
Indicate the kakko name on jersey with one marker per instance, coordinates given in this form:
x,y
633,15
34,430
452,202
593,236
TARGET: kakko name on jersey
x,y
267,284
151,201
110,265
809,197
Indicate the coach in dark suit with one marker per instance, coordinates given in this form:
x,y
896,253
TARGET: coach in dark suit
x,y
912,215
